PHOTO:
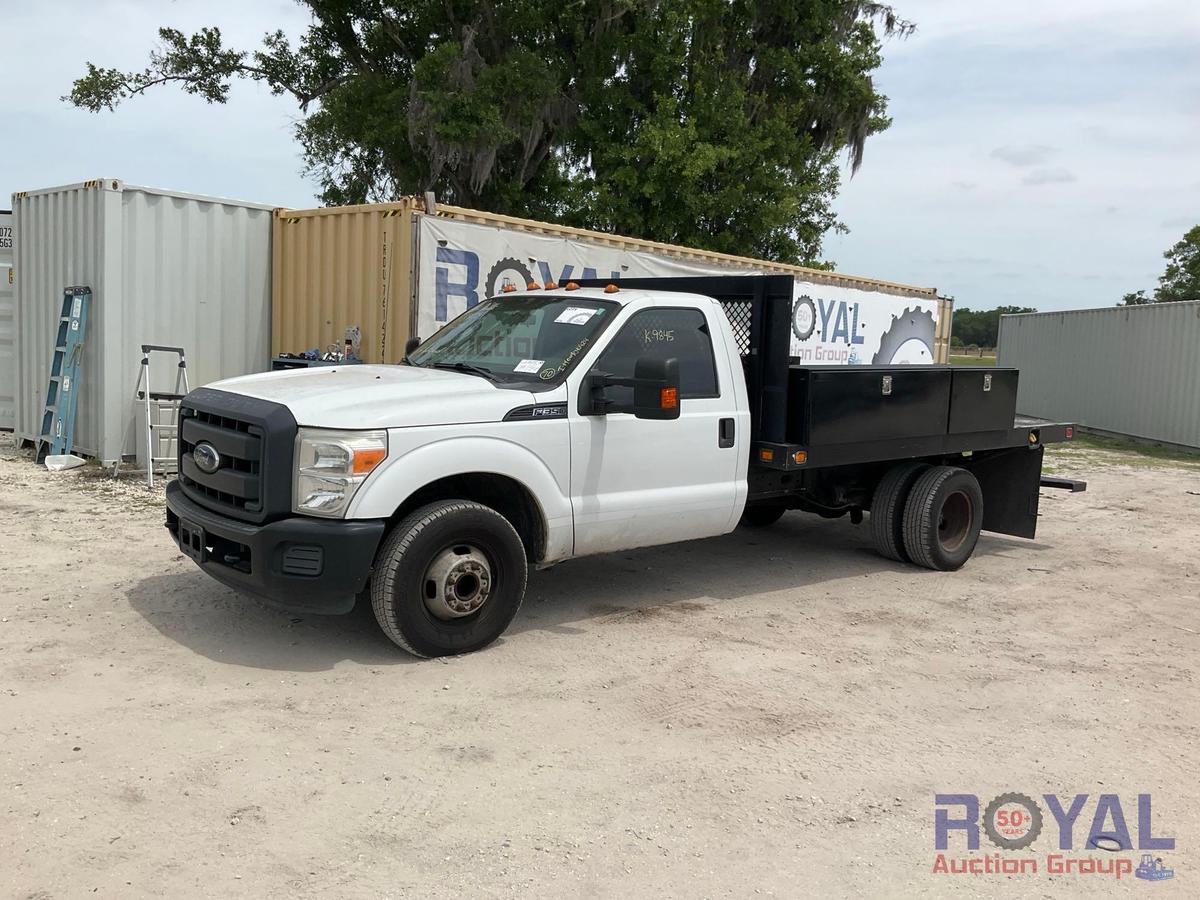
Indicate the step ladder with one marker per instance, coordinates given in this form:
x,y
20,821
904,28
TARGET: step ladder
x,y
57,436
160,430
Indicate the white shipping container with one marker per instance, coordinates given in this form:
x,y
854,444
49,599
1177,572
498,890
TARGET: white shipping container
x,y
8,360
164,268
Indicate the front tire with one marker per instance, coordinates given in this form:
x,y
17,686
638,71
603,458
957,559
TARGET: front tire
x,y
942,518
449,578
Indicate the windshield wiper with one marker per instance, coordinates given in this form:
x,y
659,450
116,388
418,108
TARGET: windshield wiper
x,y
469,368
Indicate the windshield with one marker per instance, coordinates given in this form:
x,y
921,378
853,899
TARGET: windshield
x,y
518,338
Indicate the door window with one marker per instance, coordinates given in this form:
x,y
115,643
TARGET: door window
x,y
663,334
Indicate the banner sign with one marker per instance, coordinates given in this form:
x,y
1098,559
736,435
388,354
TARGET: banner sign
x,y
461,263
834,325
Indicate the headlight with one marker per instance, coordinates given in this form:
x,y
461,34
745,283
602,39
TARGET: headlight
x,y
330,465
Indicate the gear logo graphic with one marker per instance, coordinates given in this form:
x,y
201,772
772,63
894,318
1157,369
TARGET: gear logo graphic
x,y
804,317
909,340
1012,821
507,271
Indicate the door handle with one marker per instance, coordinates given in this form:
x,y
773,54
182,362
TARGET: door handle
x,y
725,433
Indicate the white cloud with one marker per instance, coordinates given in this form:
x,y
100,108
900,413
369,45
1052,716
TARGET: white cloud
x,y
1048,176
1028,155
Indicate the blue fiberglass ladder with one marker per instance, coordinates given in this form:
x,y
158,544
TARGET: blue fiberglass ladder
x,y
62,394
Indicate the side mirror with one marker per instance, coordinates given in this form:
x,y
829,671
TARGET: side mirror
x,y
656,388
655,384
411,344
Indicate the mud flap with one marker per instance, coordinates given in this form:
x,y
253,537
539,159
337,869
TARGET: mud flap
x,y
1010,481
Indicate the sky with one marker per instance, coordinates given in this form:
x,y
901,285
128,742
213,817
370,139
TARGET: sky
x,y
1042,154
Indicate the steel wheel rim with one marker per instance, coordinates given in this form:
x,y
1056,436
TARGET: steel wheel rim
x,y
954,521
458,582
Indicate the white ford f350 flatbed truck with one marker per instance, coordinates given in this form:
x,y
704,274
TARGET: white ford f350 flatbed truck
x,y
559,422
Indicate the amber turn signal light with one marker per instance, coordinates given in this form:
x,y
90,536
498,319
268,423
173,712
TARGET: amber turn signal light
x,y
800,457
668,398
766,454
366,459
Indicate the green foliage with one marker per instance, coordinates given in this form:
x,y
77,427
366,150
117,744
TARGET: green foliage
x,y
980,329
712,123
1135,298
1180,280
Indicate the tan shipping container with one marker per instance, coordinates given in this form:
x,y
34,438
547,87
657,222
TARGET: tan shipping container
x,y
337,267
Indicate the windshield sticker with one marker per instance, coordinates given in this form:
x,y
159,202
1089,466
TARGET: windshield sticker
x,y
576,315
529,365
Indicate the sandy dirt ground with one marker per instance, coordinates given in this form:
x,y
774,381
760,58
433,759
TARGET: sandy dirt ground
x,y
768,713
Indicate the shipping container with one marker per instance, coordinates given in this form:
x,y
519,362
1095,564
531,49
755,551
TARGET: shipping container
x,y
395,269
1129,370
8,359
164,268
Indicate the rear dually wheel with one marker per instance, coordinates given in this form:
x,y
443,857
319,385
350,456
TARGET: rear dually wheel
x,y
887,509
943,516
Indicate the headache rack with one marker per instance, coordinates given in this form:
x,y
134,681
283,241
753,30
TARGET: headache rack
x,y
759,309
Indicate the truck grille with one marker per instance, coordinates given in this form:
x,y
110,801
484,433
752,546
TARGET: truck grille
x,y
252,440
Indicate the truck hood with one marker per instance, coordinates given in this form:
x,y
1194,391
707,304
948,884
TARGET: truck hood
x,y
360,396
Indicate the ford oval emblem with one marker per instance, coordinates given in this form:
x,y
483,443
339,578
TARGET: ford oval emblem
x,y
206,457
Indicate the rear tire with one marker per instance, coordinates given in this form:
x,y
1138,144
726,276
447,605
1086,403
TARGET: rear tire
x,y
448,579
761,516
942,518
887,509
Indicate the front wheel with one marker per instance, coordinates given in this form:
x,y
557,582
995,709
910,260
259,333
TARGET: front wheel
x,y
448,579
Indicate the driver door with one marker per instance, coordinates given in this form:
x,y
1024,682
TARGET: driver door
x,y
638,482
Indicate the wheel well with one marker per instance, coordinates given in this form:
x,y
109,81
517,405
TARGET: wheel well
x,y
505,495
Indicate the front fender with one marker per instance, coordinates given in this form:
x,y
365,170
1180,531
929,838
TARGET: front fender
x,y
404,473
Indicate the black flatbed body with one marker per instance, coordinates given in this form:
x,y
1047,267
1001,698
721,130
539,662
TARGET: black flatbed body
x,y
843,415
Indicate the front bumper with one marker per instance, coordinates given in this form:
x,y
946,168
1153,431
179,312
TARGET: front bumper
x,y
299,563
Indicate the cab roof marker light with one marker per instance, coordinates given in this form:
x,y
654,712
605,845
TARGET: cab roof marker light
x,y
533,286
552,285
611,288
508,288
572,286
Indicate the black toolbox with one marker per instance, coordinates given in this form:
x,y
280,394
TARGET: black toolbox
x,y
982,399
850,404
